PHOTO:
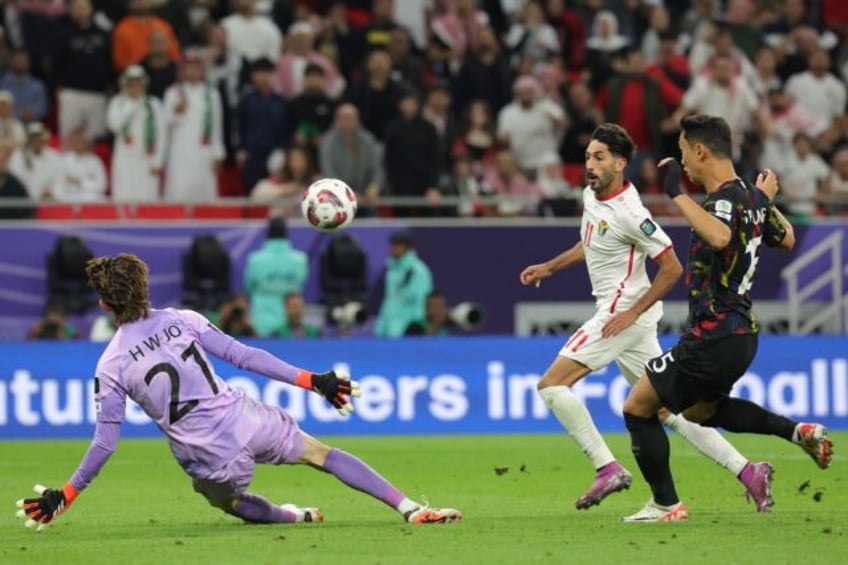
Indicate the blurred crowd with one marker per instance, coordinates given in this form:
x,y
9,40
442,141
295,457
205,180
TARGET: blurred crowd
x,y
461,107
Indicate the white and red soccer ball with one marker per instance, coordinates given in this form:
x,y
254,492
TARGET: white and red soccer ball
x,y
328,205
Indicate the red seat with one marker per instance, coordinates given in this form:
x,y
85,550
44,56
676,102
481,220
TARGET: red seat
x,y
63,212
160,212
256,211
209,212
574,174
99,212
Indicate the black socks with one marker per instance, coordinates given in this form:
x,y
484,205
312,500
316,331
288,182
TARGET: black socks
x,y
739,415
651,450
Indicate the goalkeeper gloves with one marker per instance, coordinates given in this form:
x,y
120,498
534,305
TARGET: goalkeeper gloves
x,y
337,388
671,178
48,506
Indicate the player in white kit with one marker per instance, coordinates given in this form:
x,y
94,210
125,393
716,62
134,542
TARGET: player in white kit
x,y
617,236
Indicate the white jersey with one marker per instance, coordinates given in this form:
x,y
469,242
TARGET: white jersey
x,y
618,234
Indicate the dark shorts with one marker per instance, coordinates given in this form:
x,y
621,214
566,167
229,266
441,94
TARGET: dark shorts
x,y
697,370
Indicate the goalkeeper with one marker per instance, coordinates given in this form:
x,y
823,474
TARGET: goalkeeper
x,y
158,358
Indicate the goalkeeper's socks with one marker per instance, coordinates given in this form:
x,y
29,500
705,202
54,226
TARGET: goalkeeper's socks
x,y
740,415
255,509
575,418
651,450
356,474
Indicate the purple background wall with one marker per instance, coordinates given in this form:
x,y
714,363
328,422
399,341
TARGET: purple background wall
x,y
479,263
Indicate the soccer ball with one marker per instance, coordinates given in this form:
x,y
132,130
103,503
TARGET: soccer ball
x,y
328,205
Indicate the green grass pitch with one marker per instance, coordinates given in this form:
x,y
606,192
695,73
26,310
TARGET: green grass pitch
x,y
141,509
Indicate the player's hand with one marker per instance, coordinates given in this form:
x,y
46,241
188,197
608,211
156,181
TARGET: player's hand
x,y
337,388
767,182
535,274
49,505
619,323
671,172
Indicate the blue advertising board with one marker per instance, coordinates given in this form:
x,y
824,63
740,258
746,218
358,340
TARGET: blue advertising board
x,y
414,386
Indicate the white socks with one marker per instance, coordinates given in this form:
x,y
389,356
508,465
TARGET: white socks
x,y
709,442
575,418
407,505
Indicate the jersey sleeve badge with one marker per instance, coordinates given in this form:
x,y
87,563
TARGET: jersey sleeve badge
x,y
724,209
648,227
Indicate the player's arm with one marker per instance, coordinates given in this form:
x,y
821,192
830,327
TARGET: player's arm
x,y
778,232
537,273
712,230
336,387
51,503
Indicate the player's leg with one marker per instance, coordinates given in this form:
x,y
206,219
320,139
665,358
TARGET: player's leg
x,y
743,416
356,474
226,489
651,449
586,351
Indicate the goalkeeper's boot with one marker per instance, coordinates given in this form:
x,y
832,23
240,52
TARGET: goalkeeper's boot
x,y
305,514
610,478
813,439
653,512
757,480
426,515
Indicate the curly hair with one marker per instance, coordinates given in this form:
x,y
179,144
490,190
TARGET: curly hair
x,y
121,282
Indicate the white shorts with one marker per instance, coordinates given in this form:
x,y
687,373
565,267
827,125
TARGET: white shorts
x,y
630,349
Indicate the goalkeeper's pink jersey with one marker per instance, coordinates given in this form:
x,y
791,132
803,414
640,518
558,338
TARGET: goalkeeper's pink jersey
x,y
161,363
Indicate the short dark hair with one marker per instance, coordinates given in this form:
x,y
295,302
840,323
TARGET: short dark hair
x,y
277,229
616,139
711,131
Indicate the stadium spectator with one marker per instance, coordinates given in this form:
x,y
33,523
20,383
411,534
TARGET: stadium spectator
x,y
53,326
83,176
722,93
532,38
765,72
82,71
295,307
461,26
530,126
251,37
583,117
515,195
817,89
408,282
291,173
640,103
12,188
271,272
485,74
804,174
414,15
131,38
379,31
466,187
659,26
312,110
194,118
136,119
436,321
835,188
406,64
740,19
437,111
604,42
411,157
36,165
160,68
263,124
234,317
786,120
350,153
477,140
669,64
29,92
376,94
299,54
559,198
346,40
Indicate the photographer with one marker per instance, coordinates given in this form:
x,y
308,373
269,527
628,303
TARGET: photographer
x,y
437,320
234,317
53,326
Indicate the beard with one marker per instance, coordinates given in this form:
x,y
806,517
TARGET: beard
x,y
600,183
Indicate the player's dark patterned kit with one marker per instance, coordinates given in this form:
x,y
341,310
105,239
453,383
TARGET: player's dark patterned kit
x,y
721,337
